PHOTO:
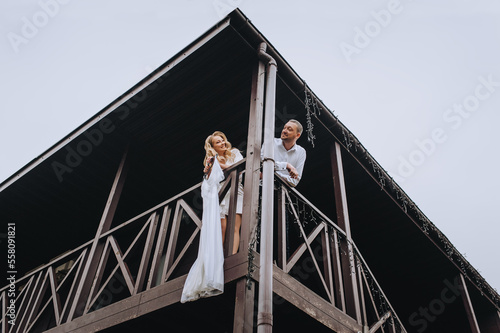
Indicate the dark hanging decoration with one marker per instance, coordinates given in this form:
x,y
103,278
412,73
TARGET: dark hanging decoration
x,y
253,247
311,108
378,171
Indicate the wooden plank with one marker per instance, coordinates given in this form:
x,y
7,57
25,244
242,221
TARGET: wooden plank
x,y
160,243
303,247
252,166
54,299
316,209
372,299
226,186
315,306
230,222
362,298
141,274
235,272
122,258
469,309
35,306
55,296
190,213
181,254
327,262
151,210
93,294
393,325
123,265
137,305
348,265
244,307
282,236
380,322
80,261
83,289
307,243
28,307
23,299
77,264
169,256
40,268
337,269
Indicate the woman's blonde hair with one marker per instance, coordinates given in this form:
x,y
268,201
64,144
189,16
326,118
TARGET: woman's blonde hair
x,y
210,151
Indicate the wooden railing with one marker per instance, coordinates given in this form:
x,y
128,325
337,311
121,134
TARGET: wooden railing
x,y
312,249
148,250
158,246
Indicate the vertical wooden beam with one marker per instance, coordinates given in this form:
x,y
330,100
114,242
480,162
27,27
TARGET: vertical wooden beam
x,y
97,245
96,281
244,307
79,263
156,269
327,262
172,243
372,299
146,254
231,217
252,171
282,241
468,306
245,299
348,264
337,270
265,304
362,296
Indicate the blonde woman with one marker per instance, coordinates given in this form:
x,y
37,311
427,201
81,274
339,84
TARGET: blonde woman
x,y
216,144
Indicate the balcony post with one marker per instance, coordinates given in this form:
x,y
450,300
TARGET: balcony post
x,y
348,263
245,290
252,171
265,308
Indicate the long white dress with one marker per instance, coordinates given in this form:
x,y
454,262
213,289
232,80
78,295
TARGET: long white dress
x,y
206,276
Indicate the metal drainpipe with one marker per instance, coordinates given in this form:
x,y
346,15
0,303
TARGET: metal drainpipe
x,y
265,308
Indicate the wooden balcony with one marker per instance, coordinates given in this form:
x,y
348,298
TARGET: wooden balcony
x,y
138,268
142,230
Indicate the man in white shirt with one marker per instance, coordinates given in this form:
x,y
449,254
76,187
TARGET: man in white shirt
x,y
289,157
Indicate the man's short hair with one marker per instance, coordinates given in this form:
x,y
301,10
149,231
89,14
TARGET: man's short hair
x,y
299,125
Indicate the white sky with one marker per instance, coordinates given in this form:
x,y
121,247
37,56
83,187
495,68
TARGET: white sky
x,y
394,85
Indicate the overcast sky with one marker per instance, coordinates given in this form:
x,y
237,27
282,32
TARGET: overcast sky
x,y
418,83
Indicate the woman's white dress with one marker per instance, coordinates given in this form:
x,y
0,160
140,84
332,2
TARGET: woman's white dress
x,y
206,276
224,204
